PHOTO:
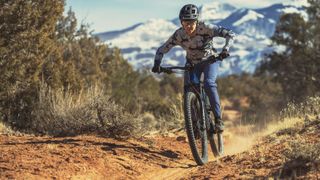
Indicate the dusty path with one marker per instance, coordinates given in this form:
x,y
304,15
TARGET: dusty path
x,y
91,157
86,157
95,157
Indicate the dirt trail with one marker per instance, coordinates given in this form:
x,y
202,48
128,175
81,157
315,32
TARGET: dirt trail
x,y
95,157
91,157
86,157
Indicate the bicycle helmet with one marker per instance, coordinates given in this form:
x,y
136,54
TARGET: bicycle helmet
x,y
189,12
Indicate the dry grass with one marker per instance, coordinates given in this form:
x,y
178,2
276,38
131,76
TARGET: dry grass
x,y
177,110
295,117
62,113
283,125
3,128
302,157
176,117
52,146
311,107
295,129
148,122
304,151
177,113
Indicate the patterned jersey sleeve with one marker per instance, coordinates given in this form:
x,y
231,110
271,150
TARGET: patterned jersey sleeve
x,y
171,42
219,31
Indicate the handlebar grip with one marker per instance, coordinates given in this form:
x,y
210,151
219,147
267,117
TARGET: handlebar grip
x,y
221,57
165,70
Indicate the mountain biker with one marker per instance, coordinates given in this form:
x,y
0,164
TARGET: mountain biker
x,y
197,39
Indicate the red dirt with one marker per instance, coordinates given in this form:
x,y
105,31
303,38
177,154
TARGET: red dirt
x,y
91,157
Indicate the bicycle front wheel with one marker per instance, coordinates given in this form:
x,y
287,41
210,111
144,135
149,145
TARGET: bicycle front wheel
x,y
196,131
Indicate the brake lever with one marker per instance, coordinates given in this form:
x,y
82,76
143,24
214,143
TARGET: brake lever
x,y
189,66
166,70
221,57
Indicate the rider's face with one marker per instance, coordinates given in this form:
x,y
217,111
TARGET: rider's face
x,y
189,26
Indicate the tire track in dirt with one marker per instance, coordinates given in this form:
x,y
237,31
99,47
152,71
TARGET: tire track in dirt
x,y
88,156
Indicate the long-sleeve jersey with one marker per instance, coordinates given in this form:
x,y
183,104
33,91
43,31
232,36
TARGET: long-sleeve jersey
x,y
198,46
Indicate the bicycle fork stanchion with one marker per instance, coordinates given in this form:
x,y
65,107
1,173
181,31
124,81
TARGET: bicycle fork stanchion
x,y
203,108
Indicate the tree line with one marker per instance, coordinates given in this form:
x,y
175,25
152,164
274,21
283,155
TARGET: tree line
x,y
39,45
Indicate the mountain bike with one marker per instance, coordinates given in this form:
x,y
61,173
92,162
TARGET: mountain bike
x,y
199,123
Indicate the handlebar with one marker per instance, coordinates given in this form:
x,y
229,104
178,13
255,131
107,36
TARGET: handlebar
x,y
189,67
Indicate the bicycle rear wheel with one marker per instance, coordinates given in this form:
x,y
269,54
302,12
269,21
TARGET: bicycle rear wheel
x,y
196,131
216,141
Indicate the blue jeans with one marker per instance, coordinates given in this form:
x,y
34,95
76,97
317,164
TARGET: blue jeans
x,y
210,72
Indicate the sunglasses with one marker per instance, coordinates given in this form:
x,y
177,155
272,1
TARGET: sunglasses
x,y
189,23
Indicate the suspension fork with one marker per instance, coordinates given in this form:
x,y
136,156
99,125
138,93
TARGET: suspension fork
x,y
204,107
199,91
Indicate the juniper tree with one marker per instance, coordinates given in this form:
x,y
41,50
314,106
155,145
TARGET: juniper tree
x,y
297,68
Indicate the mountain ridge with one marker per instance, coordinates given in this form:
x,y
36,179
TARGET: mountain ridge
x,y
253,27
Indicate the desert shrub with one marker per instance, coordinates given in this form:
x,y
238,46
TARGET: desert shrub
x,y
18,104
172,119
302,150
176,113
62,113
301,157
148,122
297,117
311,106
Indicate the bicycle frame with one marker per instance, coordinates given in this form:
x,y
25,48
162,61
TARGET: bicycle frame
x,y
195,93
197,88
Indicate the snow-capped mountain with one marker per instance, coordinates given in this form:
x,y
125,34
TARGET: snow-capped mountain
x,y
215,12
253,27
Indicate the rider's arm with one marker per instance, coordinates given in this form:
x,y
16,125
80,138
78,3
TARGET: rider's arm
x,y
219,31
172,41
225,33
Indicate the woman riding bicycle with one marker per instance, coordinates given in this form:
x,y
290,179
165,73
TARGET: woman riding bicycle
x,y
197,39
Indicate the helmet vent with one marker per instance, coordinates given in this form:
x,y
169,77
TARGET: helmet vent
x,y
189,12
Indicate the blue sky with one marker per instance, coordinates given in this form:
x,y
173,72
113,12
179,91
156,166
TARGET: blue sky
x,y
106,15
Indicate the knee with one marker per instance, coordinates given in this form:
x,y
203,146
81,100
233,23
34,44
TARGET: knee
x,y
210,82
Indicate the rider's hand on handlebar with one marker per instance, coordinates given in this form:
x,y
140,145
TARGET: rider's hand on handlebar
x,y
224,54
189,66
156,69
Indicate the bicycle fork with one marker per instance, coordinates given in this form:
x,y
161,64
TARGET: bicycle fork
x,y
205,111
204,123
